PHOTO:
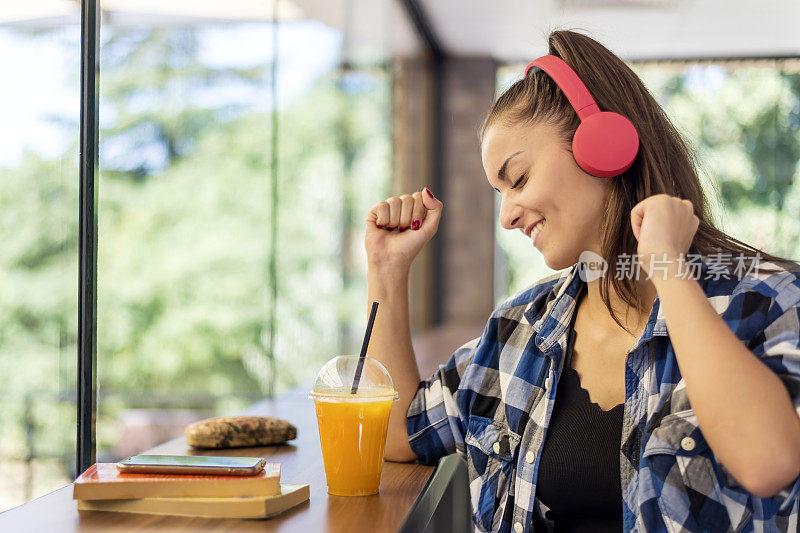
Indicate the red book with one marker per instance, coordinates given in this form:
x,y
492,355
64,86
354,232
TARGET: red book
x,y
102,481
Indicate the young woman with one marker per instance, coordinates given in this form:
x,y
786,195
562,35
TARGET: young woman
x,y
662,399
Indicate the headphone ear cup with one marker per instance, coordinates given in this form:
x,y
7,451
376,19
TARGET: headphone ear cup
x,y
605,144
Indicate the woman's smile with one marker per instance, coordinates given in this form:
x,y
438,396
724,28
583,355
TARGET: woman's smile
x,y
537,229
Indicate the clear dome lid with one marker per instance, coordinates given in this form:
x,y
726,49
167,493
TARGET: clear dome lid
x,y
335,381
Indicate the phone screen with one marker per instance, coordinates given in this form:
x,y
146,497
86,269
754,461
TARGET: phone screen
x,y
191,464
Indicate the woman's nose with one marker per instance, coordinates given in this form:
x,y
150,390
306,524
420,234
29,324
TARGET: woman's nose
x,y
504,221
509,216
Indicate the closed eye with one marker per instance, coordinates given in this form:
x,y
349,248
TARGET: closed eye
x,y
515,183
518,181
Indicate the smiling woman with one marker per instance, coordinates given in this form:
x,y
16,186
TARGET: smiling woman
x,y
692,372
533,130
536,103
550,194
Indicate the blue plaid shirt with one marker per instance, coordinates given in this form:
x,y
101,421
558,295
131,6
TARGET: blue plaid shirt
x,y
491,403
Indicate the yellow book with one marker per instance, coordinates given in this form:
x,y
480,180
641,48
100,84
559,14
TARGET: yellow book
x,y
253,507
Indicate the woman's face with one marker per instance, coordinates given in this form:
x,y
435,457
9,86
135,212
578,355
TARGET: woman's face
x,y
553,188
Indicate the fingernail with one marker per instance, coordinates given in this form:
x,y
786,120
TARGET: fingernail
x,y
427,190
415,225
390,228
403,229
380,227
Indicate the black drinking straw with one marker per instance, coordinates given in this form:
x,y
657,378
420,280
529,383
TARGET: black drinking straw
x,y
364,345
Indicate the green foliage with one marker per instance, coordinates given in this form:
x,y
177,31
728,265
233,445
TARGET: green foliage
x,y
153,85
183,271
184,297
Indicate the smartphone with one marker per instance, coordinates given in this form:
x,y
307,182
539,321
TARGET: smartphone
x,y
192,464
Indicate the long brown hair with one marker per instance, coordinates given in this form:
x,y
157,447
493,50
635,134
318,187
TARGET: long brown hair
x,y
664,163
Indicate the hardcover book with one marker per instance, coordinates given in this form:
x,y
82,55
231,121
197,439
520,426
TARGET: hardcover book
x,y
102,481
253,507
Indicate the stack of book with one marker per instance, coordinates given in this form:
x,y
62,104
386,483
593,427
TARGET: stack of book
x,y
103,488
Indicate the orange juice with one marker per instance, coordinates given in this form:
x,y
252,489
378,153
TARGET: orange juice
x,y
352,432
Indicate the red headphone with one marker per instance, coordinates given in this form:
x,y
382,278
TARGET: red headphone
x,y
606,143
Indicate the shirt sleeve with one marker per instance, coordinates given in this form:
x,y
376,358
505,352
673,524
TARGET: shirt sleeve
x,y
434,420
778,346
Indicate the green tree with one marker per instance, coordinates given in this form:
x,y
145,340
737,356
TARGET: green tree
x,y
184,242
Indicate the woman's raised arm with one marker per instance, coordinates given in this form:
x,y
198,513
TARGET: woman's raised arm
x,y
396,231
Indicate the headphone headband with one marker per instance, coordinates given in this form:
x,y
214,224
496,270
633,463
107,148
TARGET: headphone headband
x,y
569,82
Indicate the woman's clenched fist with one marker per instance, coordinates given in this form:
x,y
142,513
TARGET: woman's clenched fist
x,y
399,227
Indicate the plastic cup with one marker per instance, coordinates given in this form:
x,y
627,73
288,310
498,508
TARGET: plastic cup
x,y
352,427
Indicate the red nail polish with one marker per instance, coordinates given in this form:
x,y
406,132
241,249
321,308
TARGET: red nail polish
x,y
415,225
402,229
390,228
380,227
427,190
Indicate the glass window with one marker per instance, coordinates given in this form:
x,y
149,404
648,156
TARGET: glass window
x,y
39,110
240,149
184,192
238,156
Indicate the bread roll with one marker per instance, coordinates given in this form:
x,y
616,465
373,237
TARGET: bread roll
x,y
238,431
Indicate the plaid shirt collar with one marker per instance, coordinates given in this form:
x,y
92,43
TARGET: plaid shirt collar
x,y
549,323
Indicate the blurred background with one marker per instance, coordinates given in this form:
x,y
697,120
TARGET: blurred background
x,y
241,146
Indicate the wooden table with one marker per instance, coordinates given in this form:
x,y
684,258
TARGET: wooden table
x,y
301,462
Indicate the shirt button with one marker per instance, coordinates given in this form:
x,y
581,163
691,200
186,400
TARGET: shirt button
x,y
687,443
530,457
518,527
496,447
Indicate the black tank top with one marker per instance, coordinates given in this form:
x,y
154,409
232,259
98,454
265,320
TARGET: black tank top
x,y
579,471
